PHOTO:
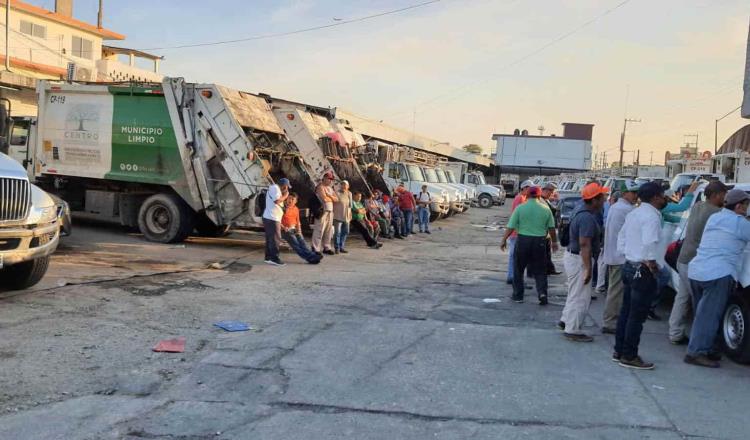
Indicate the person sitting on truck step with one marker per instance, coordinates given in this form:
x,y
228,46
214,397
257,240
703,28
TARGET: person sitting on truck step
x,y
713,275
385,212
359,214
342,216
323,229
275,197
408,204
423,211
375,215
291,231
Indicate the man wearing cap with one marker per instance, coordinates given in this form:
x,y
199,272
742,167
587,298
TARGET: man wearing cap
x,y
638,240
342,217
585,233
714,193
532,221
517,201
613,258
547,192
323,229
713,274
275,197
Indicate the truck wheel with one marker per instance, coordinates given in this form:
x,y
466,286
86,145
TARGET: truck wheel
x,y
165,218
735,329
206,228
23,275
485,201
434,216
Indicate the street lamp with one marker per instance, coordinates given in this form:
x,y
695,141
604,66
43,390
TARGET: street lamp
x,y
716,129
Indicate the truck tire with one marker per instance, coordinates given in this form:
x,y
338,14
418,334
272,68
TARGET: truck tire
x,y
206,228
165,218
735,329
434,216
24,275
485,201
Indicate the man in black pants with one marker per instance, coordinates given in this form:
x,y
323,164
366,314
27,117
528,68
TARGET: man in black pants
x,y
533,221
547,192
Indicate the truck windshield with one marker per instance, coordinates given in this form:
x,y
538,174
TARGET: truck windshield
x,y
415,174
480,178
451,176
430,175
441,175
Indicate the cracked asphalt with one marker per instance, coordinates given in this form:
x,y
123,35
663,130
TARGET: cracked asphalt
x,y
389,344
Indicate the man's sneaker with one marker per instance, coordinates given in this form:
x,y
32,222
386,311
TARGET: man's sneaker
x,y
714,355
427,232
328,252
517,300
681,341
314,260
275,262
601,290
543,300
336,251
561,325
343,251
701,361
616,356
653,316
608,331
636,363
578,338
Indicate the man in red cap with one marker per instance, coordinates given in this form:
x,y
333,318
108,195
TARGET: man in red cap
x,y
532,221
585,233
323,229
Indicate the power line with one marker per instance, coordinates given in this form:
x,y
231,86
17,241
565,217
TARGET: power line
x,y
298,31
533,53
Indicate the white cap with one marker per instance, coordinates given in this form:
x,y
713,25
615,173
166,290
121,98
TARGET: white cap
x,y
526,184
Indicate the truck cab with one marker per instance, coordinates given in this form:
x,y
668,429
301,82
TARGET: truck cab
x,y
412,177
455,197
472,191
488,195
466,192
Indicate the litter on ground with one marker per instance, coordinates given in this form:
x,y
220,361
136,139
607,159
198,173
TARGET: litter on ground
x,y
232,326
176,345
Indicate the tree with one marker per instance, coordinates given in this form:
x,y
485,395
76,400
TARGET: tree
x,y
472,148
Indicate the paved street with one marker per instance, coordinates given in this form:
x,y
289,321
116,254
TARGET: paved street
x,y
389,344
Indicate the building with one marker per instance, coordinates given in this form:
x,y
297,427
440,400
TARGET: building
x,y
525,154
45,44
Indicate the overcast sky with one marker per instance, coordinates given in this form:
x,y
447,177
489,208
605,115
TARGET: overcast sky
x,y
455,62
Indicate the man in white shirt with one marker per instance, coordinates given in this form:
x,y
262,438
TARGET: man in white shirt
x,y
423,211
275,197
614,259
638,240
323,228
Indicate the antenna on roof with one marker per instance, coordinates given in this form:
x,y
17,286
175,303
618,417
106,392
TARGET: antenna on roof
x,y
541,130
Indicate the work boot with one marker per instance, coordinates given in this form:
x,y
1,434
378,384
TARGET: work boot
x,y
578,338
561,326
636,363
616,356
701,360
608,331
543,300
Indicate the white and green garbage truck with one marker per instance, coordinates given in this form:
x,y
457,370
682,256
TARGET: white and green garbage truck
x,y
166,158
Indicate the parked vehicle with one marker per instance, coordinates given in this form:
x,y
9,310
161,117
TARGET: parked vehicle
x,y
29,227
455,196
486,195
566,204
166,158
682,179
468,193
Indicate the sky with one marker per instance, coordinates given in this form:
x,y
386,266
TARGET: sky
x,y
461,70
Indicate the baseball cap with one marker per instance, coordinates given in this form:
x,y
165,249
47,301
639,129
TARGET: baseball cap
x,y
328,175
735,196
526,184
629,186
592,190
550,185
535,191
285,181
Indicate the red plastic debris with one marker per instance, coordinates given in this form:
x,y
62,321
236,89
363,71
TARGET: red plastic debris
x,y
176,345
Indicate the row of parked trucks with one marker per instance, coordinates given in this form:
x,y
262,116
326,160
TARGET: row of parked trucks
x,y
174,158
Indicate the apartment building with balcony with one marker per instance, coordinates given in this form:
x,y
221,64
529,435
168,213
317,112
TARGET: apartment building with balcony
x,y
45,44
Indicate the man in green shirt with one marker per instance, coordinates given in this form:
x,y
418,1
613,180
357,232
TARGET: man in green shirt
x,y
532,221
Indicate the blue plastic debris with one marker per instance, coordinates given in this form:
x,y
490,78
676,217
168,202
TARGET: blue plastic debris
x,y
233,326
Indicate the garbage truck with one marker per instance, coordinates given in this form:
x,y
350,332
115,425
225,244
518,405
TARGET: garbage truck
x,y
165,158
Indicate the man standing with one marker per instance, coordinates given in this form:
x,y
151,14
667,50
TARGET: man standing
x,y
423,211
291,230
532,221
517,201
408,206
323,230
342,216
613,258
601,266
713,274
714,193
639,242
585,234
547,192
275,197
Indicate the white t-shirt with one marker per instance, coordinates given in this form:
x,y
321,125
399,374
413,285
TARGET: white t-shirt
x,y
273,211
424,197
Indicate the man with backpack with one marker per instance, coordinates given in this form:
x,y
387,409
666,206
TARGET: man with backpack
x,y
423,211
323,229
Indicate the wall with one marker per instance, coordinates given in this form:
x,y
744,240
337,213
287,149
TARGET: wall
x,y
546,152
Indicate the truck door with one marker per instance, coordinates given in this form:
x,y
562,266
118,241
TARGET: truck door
x,y
20,139
743,167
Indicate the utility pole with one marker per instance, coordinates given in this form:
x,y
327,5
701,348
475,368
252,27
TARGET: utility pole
x,y
7,35
637,161
622,140
651,161
99,16
716,129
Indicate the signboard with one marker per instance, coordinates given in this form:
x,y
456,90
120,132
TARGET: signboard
x,y
746,100
698,166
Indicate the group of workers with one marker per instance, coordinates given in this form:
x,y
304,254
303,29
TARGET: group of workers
x,y
621,230
335,211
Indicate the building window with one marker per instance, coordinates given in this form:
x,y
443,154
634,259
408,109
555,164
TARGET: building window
x,y
35,30
83,48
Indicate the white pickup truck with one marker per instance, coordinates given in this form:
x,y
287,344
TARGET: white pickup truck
x,y
29,227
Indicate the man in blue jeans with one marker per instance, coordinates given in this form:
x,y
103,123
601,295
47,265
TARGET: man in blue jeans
x,y
713,274
423,210
638,240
